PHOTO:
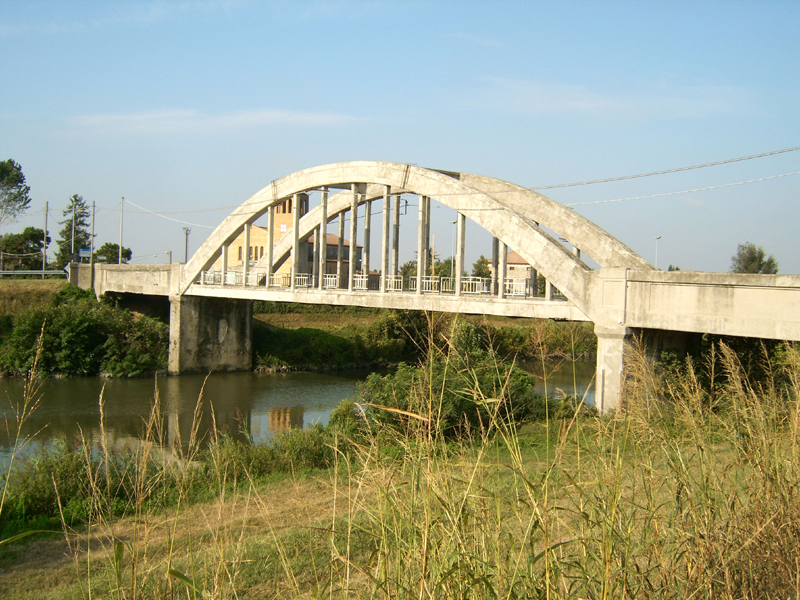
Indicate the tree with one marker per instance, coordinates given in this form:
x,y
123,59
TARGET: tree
x,y
674,268
481,267
14,198
109,252
78,209
750,258
409,269
23,250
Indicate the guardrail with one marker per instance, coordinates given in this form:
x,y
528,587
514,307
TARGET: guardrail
x,y
32,272
361,282
394,283
475,285
516,287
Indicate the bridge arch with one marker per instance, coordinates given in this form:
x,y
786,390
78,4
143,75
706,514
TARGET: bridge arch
x,y
514,215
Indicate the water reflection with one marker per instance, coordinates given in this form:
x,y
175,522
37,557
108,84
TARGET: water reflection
x,y
241,405
245,406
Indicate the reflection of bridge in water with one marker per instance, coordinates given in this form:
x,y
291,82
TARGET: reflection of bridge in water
x,y
211,296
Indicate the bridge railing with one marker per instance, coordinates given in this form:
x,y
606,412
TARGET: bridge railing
x,y
410,284
280,280
361,282
475,285
330,282
430,285
516,287
302,280
394,283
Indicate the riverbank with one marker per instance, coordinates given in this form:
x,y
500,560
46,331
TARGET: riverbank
x,y
683,494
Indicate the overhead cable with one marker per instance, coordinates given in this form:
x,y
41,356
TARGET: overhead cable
x,y
712,187
169,218
713,164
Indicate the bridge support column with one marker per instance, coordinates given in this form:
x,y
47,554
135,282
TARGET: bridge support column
x,y
322,257
295,269
225,263
340,253
608,378
351,271
209,334
502,267
367,237
420,244
534,282
459,266
270,244
315,257
495,251
385,240
246,254
396,237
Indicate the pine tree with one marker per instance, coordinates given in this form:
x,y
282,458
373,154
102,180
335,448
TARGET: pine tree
x,y
78,209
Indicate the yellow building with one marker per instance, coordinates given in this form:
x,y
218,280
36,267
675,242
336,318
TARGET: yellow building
x,y
284,220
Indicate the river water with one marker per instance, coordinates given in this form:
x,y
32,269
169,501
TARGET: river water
x,y
244,405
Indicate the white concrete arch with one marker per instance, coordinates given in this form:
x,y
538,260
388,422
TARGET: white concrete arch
x,y
559,266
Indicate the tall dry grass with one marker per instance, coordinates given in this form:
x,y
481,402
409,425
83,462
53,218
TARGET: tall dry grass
x,y
686,492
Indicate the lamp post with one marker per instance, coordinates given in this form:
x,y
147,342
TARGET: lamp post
x,y
656,239
186,231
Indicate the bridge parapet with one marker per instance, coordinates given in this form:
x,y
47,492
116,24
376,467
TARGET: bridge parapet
x,y
763,306
154,280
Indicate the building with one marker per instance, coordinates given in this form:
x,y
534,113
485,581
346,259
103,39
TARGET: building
x,y
284,220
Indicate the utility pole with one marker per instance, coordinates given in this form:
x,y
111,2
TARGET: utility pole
x,y
186,231
44,241
72,245
91,247
121,209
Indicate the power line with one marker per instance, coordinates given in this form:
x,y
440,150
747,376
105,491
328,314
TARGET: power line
x,y
712,187
169,218
713,164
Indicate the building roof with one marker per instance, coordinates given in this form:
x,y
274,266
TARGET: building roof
x,y
515,259
331,239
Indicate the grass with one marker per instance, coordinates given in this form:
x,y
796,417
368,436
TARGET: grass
x,y
682,494
17,295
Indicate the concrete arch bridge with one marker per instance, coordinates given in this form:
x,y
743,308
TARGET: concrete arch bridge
x,y
295,259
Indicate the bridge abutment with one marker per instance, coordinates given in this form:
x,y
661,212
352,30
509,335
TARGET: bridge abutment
x,y
209,334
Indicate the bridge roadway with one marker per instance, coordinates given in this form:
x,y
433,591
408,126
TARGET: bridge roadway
x,y
210,323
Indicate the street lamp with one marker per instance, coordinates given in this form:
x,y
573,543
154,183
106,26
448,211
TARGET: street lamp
x,y
656,239
186,231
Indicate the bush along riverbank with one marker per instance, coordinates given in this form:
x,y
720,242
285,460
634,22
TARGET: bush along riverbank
x,y
347,337
80,336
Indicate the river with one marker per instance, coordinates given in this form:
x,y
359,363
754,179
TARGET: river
x,y
244,405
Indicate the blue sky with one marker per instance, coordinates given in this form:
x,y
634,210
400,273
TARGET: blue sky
x,y
190,106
